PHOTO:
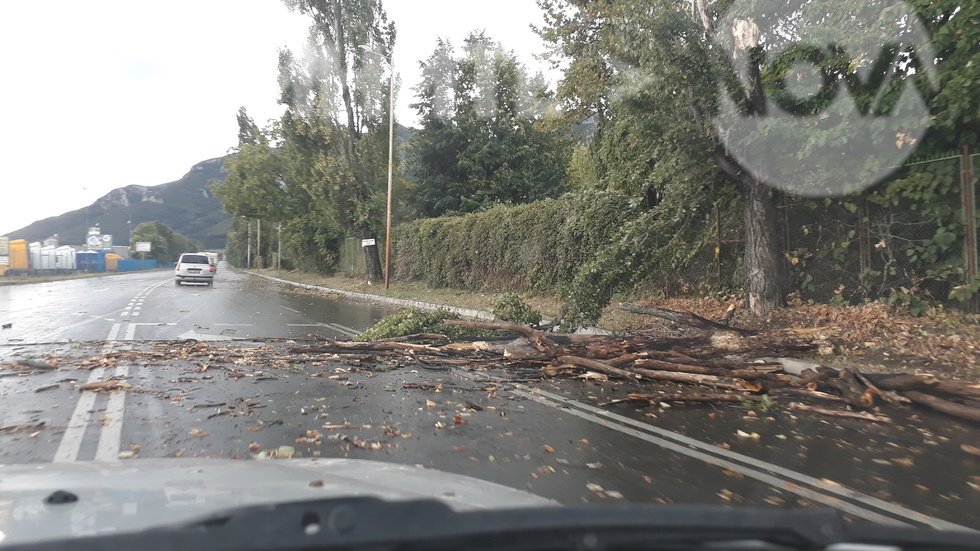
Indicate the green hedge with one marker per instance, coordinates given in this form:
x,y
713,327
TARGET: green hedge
x,y
533,247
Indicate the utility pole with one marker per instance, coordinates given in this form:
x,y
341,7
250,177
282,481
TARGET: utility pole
x,y
279,254
391,164
248,245
258,245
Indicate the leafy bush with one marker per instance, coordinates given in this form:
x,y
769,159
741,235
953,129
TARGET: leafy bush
x,y
510,307
412,321
533,247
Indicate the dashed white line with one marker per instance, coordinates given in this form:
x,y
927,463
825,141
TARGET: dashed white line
x,y
71,442
111,437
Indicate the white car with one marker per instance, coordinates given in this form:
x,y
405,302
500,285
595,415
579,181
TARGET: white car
x,y
195,268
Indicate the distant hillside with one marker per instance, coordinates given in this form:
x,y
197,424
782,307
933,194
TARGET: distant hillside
x,y
187,205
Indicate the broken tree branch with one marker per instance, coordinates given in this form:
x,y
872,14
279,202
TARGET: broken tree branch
x,y
841,413
598,366
945,406
685,318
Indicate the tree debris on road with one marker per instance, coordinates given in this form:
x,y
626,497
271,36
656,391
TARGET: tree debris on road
x,y
726,363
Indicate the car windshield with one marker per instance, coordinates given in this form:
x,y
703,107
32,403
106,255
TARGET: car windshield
x,y
671,252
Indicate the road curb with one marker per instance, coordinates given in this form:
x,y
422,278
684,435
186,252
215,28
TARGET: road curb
x,y
468,313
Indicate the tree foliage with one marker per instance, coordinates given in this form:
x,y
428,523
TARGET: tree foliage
x,y
166,245
321,169
335,101
534,247
669,83
485,136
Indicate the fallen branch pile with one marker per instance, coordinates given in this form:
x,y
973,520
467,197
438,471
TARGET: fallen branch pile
x,y
720,365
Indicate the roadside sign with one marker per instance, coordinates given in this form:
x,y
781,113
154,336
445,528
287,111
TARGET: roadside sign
x,y
143,246
4,246
368,242
4,260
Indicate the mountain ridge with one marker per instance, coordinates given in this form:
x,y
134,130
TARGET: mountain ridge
x,y
187,205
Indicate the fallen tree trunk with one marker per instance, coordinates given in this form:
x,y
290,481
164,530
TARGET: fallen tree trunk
x,y
889,396
851,390
807,394
957,388
337,347
744,373
598,366
906,381
841,413
945,406
821,374
691,397
697,379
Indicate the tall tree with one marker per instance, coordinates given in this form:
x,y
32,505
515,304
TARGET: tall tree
x,y
485,136
341,87
668,80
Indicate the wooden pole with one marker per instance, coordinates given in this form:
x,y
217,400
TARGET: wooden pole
x,y
969,220
391,164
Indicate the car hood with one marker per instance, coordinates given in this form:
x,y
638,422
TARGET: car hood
x,y
140,494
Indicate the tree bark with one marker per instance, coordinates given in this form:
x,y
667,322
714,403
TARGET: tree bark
x,y
764,281
658,365
945,406
372,258
841,413
598,366
696,379
712,397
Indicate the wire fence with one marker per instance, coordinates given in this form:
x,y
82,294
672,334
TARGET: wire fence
x,y
908,246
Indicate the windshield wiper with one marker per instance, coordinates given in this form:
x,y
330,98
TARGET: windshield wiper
x,y
370,523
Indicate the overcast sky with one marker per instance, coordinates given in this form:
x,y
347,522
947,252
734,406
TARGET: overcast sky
x,y
101,94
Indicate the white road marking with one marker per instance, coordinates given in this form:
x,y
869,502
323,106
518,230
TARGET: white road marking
x,y
339,328
71,442
288,308
111,438
345,329
727,460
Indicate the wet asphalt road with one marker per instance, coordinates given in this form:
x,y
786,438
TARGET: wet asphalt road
x,y
228,398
